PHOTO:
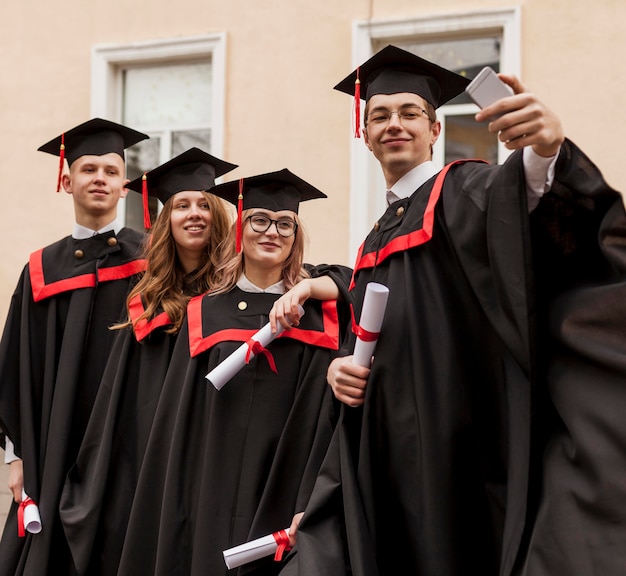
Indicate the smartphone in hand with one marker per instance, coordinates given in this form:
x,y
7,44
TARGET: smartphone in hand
x,y
487,88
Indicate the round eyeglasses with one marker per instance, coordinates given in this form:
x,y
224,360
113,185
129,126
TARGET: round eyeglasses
x,y
409,114
285,226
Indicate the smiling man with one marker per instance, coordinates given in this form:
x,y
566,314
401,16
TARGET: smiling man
x,y
428,472
57,338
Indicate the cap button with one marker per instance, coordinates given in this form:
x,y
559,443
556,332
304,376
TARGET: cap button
x,y
112,241
400,211
79,254
242,305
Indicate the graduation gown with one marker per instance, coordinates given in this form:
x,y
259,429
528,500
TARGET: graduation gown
x,y
53,351
431,475
223,467
580,524
99,489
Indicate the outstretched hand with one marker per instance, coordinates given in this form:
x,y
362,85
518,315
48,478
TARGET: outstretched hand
x,y
523,120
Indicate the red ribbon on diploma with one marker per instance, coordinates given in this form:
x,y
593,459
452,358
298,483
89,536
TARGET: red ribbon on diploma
x,y
256,348
361,333
21,530
282,541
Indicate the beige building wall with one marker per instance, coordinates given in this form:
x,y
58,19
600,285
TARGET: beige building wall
x,y
282,59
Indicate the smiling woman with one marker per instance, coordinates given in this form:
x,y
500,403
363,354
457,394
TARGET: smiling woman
x,y
191,219
180,255
222,467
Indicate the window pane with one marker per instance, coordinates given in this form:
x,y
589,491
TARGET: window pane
x,y
142,156
172,101
168,95
182,141
466,138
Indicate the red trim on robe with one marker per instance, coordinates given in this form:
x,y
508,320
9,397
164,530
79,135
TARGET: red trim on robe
x,y
122,271
143,327
42,290
329,338
413,238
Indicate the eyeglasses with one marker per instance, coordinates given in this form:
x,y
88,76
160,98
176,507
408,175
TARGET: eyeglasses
x,y
405,116
260,223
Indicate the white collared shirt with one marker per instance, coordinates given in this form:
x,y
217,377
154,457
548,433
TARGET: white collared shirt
x,y
81,232
244,284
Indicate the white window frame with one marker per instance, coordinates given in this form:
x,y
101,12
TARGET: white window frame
x,y
366,181
106,81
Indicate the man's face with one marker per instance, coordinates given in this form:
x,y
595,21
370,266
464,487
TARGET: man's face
x,y
399,145
96,184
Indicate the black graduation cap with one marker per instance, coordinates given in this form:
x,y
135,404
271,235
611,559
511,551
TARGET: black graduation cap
x,y
94,137
393,70
194,169
280,190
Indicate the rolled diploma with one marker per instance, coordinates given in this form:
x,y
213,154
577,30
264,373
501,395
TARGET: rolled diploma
x,y
250,551
228,367
374,304
32,519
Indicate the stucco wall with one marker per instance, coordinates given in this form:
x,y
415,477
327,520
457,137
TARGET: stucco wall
x,y
283,57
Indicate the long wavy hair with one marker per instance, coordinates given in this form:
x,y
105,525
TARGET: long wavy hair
x,y
232,265
164,285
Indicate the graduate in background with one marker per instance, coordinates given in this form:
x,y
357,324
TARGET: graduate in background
x,y
181,255
225,466
56,338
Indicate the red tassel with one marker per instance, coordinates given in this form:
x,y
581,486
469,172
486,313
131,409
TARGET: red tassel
x,y
357,105
61,159
144,198
239,212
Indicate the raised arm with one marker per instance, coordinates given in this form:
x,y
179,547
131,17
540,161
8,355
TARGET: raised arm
x,y
285,309
524,120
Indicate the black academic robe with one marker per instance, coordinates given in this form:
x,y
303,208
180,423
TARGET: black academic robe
x,y
53,351
430,476
99,489
223,467
580,524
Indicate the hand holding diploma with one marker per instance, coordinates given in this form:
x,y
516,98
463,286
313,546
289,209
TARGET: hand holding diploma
x,y
28,519
276,543
367,332
257,344
347,375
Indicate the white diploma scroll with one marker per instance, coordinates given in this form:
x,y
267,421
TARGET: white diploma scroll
x,y
374,304
31,518
255,549
226,369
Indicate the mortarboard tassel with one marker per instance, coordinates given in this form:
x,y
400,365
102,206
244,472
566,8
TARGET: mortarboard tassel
x,y
61,159
144,198
357,105
239,212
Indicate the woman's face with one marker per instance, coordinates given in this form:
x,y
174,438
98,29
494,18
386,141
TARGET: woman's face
x,y
191,223
268,249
